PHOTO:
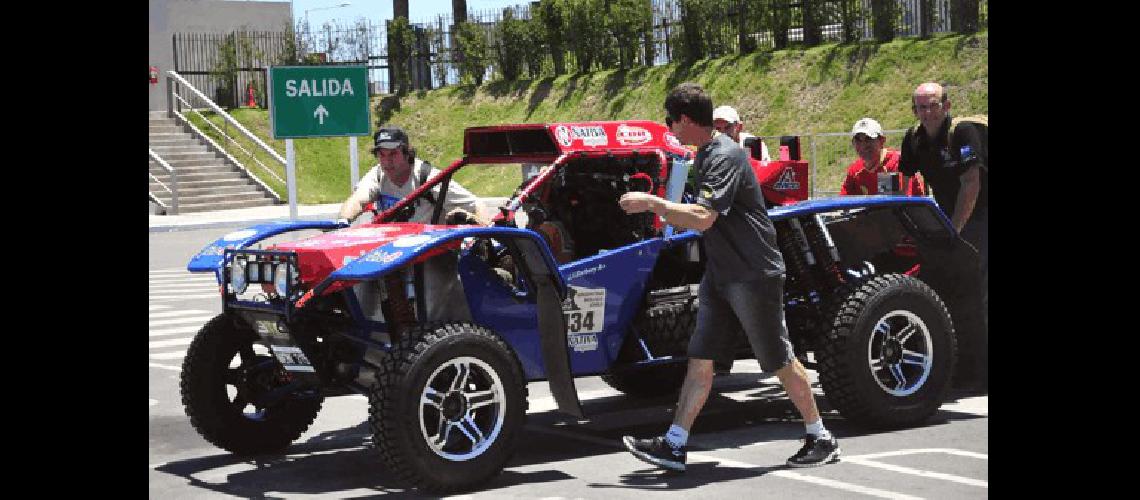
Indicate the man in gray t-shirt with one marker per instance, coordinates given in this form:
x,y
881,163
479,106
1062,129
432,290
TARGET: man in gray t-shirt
x,y
742,288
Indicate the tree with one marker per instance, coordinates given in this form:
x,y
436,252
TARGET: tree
x,y
472,41
964,16
883,14
779,19
850,13
400,40
812,16
550,17
630,19
510,49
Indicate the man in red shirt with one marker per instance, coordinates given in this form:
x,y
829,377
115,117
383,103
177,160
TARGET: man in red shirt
x,y
875,160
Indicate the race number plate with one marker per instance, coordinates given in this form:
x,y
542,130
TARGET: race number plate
x,y
584,312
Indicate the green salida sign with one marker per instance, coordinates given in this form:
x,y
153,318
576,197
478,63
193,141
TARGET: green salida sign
x,y
318,101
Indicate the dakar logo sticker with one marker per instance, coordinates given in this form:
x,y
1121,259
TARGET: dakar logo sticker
x,y
411,241
632,136
591,136
787,181
563,135
239,235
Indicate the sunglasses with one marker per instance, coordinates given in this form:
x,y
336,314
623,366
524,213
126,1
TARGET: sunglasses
x,y
863,138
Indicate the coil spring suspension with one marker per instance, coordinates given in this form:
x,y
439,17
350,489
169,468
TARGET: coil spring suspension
x,y
824,248
400,314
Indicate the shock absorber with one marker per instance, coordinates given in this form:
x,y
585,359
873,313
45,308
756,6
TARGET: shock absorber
x,y
797,256
400,314
819,238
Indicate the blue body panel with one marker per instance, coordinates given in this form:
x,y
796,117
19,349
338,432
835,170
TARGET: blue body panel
x,y
811,207
622,273
210,259
384,259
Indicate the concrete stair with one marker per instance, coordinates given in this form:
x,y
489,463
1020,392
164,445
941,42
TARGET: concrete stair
x,y
206,180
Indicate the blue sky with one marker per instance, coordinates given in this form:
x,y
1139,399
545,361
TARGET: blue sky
x,y
379,10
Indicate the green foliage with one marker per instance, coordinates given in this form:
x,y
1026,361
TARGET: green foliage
x,y
585,28
630,20
849,15
235,51
401,38
884,16
472,41
779,19
695,17
550,17
510,50
534,50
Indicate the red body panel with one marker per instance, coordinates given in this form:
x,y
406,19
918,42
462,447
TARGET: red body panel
x,y
320,255
783,182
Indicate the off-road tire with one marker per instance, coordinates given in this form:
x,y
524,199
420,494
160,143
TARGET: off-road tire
x,y
206,373
852,384
666,328
397,411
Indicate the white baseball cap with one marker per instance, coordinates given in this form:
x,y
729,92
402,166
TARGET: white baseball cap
x,y
726,113
867,126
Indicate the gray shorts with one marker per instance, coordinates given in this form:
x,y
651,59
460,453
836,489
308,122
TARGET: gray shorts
x,y
755,306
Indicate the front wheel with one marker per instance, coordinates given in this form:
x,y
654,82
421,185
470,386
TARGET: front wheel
x,y
223,377
448,406
889,356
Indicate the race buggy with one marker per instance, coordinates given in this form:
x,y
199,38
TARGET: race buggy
x,y
562,284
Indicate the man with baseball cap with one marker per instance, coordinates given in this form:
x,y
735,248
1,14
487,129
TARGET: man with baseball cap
x,y
398,173
874,162
727,121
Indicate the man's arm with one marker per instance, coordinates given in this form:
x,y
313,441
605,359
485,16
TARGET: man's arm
x,y
682,215
967,196
366,190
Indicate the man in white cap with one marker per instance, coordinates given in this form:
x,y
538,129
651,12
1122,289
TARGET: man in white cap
x,y
875,164
727,121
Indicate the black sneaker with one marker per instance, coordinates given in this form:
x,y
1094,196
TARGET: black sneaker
x,y
656,451
816,452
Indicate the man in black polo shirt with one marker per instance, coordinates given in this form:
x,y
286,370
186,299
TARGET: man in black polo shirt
x,y
955,167
742,288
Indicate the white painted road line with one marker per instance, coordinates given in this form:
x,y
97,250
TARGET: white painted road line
x,y
170,343
164,367
153,401
918,472
156,307
180,321
978,405
180,286
912,451
701,457
175,314
169,355
175,331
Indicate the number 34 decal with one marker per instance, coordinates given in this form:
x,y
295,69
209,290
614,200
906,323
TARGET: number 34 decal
x,y
579,321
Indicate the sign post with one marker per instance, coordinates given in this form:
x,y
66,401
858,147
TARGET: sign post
x,y
317,101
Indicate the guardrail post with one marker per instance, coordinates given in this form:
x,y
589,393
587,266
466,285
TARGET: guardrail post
x,y
174,192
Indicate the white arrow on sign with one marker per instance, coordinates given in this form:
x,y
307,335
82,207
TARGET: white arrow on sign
x,y
321,113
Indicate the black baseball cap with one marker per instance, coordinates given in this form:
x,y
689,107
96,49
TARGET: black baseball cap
x,y
389,138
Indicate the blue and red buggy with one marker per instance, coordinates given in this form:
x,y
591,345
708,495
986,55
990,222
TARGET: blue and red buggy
x,y
562,284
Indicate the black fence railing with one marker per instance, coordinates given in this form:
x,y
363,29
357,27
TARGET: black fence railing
x,y
229,66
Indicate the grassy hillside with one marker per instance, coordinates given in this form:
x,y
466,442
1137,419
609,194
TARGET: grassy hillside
x,y
789,92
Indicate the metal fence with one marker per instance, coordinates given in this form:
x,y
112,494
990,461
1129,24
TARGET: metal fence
x,y
202,57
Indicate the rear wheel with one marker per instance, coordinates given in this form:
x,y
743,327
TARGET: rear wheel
x,y
889,356
222,378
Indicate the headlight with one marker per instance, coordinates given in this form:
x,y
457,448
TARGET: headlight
x,y
237,276
283,276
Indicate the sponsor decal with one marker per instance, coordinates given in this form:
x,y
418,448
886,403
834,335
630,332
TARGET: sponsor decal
x,y
591,136
706,193
213,250
584,312
787,181
632,136
583,342
411,241
562,133
383,257
366,232
239,235
671,140
292,358
271,328
583,272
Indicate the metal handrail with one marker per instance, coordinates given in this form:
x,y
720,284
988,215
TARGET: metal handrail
x,y
173,181
229,120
